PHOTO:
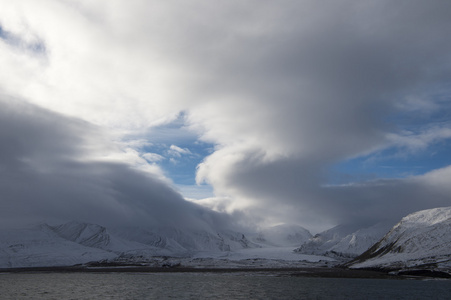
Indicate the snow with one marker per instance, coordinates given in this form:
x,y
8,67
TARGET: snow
x,y
40,246
81,243
282,235
427,217
359,241
184,241
345,241
276,253
95,236
418,240
268,257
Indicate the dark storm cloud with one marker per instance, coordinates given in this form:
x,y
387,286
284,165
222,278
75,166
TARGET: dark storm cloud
x,y
50,171
293,191
324,80
282,90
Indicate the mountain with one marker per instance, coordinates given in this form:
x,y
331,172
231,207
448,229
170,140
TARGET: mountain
x,y
93,236
41,246
344,241
282,235
161,240
421,240
78,243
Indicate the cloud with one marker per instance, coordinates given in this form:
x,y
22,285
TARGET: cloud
x,y
313,95
282,90
421,140
34,46
54,168
153,157
177,151
389,198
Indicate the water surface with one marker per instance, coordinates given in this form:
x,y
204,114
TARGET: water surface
x,y
212,286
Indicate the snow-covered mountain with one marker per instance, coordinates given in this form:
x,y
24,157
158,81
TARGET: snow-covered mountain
x,y
41,246
184,241
77,243
282,235
93,236
421,240
344,241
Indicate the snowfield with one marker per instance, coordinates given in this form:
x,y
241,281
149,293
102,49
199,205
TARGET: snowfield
x,y
421,240
259,257
40,246
81,243
345,241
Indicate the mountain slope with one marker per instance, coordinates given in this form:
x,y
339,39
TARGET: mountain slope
x,y
345,241
282,235
41,246
420,240
78,243
186,241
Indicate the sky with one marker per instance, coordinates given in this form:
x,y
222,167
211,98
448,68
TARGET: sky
x,y
314,113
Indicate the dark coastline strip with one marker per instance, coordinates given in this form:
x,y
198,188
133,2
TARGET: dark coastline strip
x,y
298,272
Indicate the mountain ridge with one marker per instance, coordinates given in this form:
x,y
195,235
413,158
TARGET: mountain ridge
x,y
421,240
344,241
80,243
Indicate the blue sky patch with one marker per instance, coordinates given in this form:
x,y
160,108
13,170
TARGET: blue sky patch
x,y
178,150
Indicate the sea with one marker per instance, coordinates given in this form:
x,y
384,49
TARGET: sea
x,y
246,285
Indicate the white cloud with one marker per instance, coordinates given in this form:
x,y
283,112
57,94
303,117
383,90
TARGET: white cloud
x,y
195,193
437,180
93,71
421,140
280,100
51,170
153,157
177,151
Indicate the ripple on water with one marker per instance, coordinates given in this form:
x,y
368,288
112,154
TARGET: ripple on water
x,y
211,286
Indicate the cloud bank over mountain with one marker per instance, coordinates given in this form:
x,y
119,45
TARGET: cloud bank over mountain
x,y
55,168
281,92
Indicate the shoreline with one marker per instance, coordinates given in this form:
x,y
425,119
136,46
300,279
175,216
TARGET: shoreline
x,y
322,272
319,272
